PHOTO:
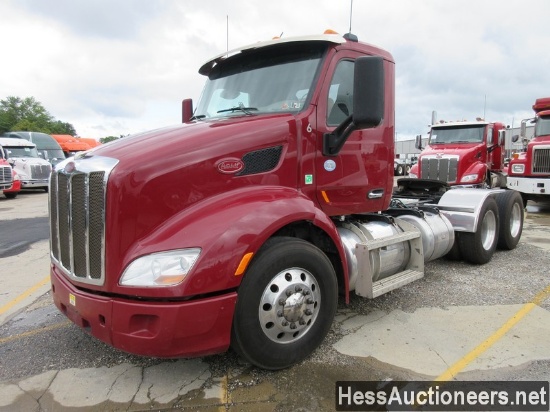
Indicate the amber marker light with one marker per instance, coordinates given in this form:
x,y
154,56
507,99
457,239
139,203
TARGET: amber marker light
x,y
325,196
244,263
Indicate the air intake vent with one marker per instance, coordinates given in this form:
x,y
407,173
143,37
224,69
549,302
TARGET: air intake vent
x,y
261,161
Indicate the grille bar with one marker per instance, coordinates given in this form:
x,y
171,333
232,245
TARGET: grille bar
x,y
5,176
444,168
541,160
77,218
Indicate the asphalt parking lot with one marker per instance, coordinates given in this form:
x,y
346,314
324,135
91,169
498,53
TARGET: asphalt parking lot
x,y
460,322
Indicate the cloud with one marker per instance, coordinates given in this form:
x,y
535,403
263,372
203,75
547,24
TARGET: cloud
x,y
123,67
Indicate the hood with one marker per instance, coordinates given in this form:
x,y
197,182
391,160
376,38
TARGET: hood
x,y
161,173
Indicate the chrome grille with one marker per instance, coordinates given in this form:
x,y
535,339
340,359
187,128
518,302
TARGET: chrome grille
x,y
5,176
77,218
440,168
541,160
40,171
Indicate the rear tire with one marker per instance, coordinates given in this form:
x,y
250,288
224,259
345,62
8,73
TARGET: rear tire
x,y
286,304
511,213
454,253
10,195
479,247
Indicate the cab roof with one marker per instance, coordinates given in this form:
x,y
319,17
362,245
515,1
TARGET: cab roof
x,y
15,142
329,38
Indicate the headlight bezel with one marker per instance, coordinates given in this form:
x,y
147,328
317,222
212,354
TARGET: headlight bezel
x,y
161,269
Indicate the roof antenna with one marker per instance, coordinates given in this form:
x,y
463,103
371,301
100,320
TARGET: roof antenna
x,y
227,32
350,14
348,35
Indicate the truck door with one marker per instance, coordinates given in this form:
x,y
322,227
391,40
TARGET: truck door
x,y
355,180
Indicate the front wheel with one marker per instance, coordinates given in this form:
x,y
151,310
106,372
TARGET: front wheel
x,y
479,247
511,213
286,304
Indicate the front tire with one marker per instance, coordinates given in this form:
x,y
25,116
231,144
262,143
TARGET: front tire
x,y
286,304
511,213
479,247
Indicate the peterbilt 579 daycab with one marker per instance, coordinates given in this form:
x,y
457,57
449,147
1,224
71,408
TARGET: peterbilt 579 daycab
x,y
242,226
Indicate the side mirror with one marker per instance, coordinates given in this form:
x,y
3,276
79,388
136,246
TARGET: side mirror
x,y
368,103
418,142
186,110
501,138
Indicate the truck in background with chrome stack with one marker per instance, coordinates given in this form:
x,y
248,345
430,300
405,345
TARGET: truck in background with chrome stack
x,y
529,170
244,225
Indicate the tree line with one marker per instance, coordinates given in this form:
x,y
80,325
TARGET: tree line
x,y
29,115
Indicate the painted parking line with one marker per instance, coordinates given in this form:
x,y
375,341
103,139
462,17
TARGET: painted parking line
x,y
450,373
24,295
36,331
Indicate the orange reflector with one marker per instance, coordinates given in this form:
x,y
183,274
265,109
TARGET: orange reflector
x,y
244,263
325,196
515,155
330,31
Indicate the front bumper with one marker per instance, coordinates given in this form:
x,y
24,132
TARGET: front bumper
x,y
158,329
30,184
528,185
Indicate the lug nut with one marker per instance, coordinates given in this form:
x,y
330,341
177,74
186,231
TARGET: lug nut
x,y
289,293
302,322
298,288
310,301
284,323
308,312
282,302
292,325
280,313
306,292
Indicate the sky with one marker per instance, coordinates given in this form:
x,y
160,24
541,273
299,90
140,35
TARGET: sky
x,y
118,67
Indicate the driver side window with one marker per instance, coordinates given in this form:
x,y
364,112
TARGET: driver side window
x,y
340,96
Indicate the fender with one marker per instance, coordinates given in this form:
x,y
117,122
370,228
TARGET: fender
x,y
479,169
226,227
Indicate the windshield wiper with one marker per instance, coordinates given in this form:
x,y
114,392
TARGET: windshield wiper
x,y
198,117
246,110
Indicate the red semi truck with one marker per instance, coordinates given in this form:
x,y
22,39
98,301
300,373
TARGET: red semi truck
x,y
242,226
467,154
529,170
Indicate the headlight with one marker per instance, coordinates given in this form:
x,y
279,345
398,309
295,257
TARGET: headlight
x,y
518,168
469,178
413,176
160,269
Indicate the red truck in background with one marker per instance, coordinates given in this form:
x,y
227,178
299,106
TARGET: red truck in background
x,y
10,184
242,226
529,170
467,154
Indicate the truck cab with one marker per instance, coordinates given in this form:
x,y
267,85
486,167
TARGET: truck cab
x,y
46,146
32,170
529,170
465,154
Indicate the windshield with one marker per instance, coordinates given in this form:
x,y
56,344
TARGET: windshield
x,y
457,134
21,151
265,81
542,126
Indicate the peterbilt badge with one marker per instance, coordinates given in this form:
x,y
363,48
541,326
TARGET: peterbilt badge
x,y
230,166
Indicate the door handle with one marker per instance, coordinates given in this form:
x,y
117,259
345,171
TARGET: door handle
x,y
376,194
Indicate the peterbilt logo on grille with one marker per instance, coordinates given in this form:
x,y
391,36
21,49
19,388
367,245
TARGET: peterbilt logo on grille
x,y
230,166
439,156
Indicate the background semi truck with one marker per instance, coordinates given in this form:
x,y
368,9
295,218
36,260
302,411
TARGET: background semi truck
x,y
32,171
10,183
529,170
469,154
242,226
46,146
